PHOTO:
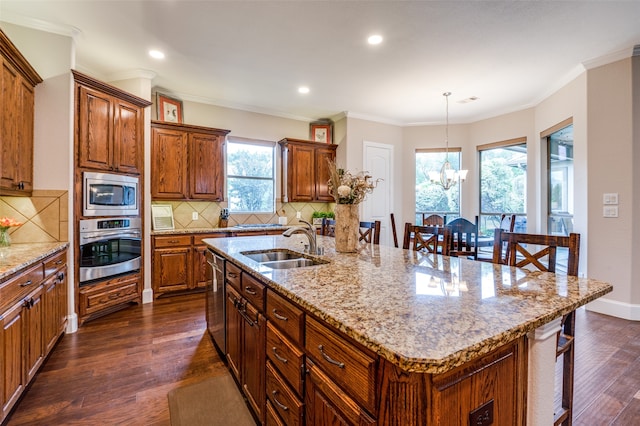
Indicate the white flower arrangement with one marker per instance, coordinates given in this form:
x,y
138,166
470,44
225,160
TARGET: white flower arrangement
x,y
348,188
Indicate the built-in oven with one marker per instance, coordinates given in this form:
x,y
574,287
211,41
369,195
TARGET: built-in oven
x,y
108,194
109,247
215,302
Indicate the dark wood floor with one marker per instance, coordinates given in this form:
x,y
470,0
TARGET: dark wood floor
x,y
117,370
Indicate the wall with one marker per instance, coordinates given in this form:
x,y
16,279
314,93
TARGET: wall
x,y
610,164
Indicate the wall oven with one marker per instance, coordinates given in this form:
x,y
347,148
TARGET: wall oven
x,y
107,194
109,247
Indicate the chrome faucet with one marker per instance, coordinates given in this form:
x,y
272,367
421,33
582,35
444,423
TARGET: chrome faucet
x,y
308,230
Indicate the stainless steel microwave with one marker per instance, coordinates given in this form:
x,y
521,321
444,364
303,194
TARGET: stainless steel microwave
x,y
107,194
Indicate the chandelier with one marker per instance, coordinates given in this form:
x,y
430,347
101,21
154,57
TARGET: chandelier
x,y
448,176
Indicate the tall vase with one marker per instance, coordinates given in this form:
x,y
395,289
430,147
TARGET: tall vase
x,y
5,238
346,227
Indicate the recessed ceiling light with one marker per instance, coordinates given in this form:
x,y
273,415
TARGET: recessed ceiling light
x,y
156,54
467,100
303,89
375,39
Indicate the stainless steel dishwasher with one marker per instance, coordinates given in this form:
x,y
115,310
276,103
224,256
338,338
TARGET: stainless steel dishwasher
x,y
215,302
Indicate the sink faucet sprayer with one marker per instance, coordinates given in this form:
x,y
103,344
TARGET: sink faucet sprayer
x,y
309,231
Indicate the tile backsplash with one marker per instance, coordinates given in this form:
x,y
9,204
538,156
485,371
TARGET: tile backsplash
x,y
44,216
209,213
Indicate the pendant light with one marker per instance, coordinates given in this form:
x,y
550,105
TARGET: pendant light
x,y
448,176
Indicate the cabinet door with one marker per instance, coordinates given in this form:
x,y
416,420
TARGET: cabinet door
x,y
202,273
206,168
128,141
327,404
61,299
234,331
11,356
50,313
24,142
301,169
172,269
322,173
9,126
168,164
95,129
253,361
33,334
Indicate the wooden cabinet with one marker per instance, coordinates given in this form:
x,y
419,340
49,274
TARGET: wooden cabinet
x,y
179,263
246,336
305,170
17,99
33,307
109,127
104,297
187,162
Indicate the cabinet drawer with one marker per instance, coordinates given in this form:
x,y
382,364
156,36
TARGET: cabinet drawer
x,y
272,418
288,359
233,276
286,404
21,284
254,291
52,264
286,316
97,297
172,241
344,362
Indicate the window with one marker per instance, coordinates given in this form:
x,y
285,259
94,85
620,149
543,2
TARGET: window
x,y
503,184
250,176
560,181
431,198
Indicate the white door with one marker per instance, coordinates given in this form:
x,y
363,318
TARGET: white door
x,y
378,161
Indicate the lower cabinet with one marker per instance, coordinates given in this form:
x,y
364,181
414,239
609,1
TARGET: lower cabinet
x,y
303,371
108,296
246,334
33,317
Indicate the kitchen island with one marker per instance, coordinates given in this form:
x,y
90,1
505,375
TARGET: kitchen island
x,y
437,340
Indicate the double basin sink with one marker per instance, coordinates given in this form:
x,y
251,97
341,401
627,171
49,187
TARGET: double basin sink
x,y
282,258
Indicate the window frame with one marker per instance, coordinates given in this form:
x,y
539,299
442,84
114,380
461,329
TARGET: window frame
x,y
451,151
520,216
254,142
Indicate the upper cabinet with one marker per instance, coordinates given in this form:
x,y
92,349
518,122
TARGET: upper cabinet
x,y
305,171
18,81
187,162
109,127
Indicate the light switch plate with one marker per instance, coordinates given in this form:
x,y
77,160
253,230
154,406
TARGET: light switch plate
x,y
610,198
610,211
194,216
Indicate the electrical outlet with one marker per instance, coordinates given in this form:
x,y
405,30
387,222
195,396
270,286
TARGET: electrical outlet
x,y
298,215
483,415
194,216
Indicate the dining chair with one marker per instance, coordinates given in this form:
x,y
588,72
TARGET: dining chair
x,y
369,232
417,237
540,252
462,238
393,229
507,223
328,227
433,220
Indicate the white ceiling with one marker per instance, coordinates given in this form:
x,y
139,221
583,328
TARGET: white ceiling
x,y
254,54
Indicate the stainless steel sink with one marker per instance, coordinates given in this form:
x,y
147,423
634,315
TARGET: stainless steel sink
x,y
282,259
272,255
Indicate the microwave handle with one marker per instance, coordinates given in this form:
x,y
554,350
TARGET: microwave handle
x,y
112,234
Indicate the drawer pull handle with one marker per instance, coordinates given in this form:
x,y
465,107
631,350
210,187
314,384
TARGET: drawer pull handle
x,y
59,262
250,290
281,359
278,403
26,283
232,275
174,241
278,316
329,359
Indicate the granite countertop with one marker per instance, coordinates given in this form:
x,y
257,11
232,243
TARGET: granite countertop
x,y
423,312
236,229
19,256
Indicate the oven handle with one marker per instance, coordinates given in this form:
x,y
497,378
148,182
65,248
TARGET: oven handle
x,y
112,234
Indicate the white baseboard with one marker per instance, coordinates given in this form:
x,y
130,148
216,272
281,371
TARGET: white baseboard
x,y
72,323
615,309
147,295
